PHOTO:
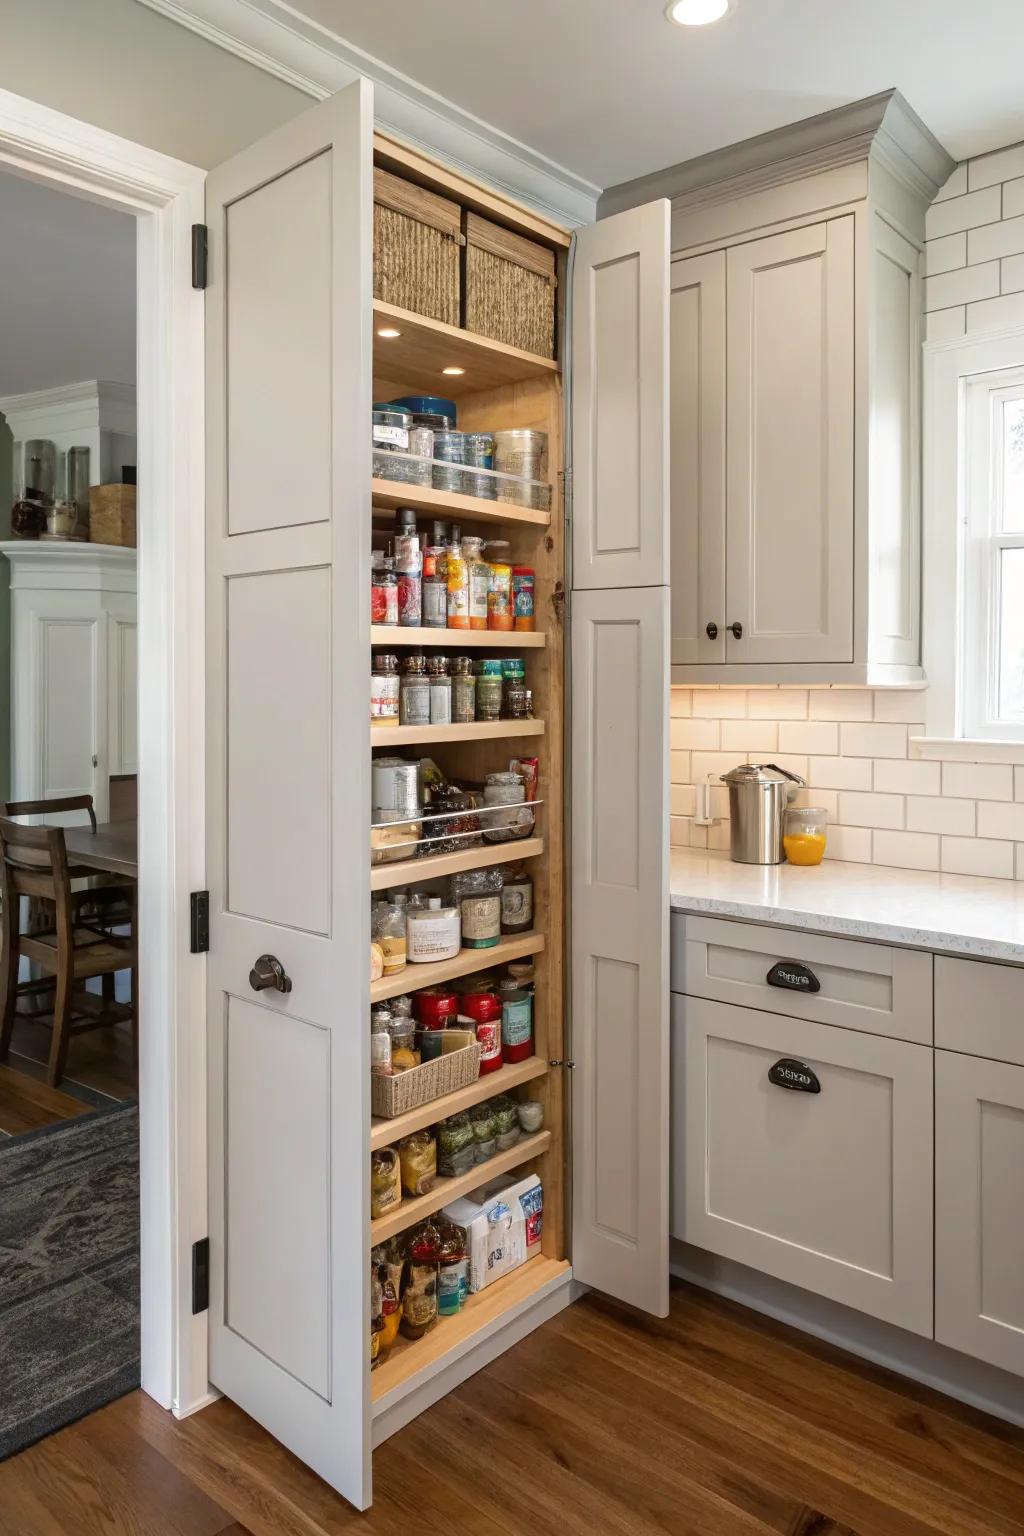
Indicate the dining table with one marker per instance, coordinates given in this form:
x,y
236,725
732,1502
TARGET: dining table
x,y
112,849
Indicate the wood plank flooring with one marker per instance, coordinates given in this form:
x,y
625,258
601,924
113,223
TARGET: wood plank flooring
x,y
27,1104
715,1422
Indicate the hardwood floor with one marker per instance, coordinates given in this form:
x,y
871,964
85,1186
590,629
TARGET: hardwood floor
x,y
100,1071
715,1422
27,1104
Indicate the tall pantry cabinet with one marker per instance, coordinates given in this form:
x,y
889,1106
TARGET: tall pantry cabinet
x,y
298,349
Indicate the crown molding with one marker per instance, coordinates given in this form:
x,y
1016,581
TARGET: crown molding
x,y
276,38
69,407
882,126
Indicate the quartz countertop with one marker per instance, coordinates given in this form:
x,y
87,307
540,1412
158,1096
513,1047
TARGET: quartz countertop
x,y
956,914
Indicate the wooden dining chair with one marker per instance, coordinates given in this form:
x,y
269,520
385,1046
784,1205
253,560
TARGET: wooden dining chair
x,y
34,863
109,900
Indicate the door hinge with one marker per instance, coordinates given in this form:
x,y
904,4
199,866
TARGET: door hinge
x,y
200,1275
199,928
569,1065
200,250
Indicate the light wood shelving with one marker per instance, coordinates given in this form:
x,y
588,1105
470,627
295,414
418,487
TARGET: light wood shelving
x,y
478,730
385,1133
413,1360
414,977
424,348
385,877
409,1212
397,635
390,494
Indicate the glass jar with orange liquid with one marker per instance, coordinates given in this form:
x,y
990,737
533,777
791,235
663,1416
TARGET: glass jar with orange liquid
x,y
803,834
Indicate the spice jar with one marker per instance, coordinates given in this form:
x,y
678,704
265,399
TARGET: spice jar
x,y
414,692
434,593
409,568
489,690
404,1054
383,593
516,900
517,699
531,1116
499,586
384,689
380,1044
478,893
483,1009
440,690
463,690
479,575
458,586
433,934
516,1026
522,596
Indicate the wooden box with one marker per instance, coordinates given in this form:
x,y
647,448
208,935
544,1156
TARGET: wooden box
x,y
509,287
112,515
416,244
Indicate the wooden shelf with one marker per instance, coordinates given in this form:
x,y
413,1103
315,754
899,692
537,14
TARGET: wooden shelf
x,y
426,347
446,1190
413,977
397,635
385,877
385,1133
478,730
391,494
413,1361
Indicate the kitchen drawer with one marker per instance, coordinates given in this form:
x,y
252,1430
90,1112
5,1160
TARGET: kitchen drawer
x,y
832,1190
872,987
979,1008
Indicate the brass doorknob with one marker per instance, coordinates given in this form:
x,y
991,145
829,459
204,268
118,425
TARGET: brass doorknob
x,y
268,974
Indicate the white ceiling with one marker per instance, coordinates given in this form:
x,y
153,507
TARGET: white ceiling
x,y
67,289
611,90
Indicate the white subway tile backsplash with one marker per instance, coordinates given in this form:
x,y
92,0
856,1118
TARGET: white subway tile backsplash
x,y
997,819
818,736
695,735
987,244
1013,197
1018,783
839,772
976,856
857,810
1011,274
851,845
777,704
955,186
873,740
720,703
716,763
750,736
946,324
681,799
678,832
998,165
901,778
996,314
899,706
826,800
978,781
679,768
906,850
947,254
841,703
965,284
718,836
792,762
965,212
680,702
932,813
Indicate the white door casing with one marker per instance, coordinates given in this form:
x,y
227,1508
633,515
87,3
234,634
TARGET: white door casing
x,y
789,540
288,519
620,323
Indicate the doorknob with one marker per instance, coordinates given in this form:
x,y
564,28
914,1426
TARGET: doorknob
x,y
711,630
268,973
737,631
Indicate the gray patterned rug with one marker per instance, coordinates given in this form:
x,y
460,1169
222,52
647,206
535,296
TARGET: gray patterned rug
x,y
69,1272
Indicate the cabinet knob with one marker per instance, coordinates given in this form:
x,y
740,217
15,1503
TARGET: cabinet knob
x,y
737,631
711,630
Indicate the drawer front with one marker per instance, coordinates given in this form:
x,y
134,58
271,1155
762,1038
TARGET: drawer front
x,y
832,1190
872,987
979,1008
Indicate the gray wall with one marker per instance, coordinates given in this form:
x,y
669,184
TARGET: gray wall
x,y
120,66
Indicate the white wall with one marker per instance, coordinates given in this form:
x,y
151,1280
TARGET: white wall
x,y
120,66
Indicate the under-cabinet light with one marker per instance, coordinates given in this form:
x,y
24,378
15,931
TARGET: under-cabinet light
x,y
388,332
696,13
453,372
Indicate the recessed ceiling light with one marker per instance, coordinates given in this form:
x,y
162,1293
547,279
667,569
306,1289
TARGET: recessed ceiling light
x,y
696,13
388,332
454,372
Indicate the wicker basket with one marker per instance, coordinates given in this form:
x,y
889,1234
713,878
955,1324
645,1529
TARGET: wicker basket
x,y
391,1096
509,287
416,241
112,515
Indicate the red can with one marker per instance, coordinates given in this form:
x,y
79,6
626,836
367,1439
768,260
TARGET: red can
x,y
434,1008
484,1008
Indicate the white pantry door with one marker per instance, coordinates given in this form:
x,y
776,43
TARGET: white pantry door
x,y
288,520
619,633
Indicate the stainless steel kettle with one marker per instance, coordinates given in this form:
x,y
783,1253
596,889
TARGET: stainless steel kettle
x,y
758,796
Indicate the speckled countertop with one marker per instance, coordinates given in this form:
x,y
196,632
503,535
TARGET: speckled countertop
x,y
957,914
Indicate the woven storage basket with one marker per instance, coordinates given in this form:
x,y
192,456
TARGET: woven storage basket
x,y
112,515
416,243
509,287
391,1096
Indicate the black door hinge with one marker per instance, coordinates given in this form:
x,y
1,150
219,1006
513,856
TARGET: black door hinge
x,y
200,1275
199,928
199,255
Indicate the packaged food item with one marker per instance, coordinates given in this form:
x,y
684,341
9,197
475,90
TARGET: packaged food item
x,y
531,1116
499,586
523,581
516,900
440,690
452,824
478,894
514,819
458,586
376,962
516,1026
391,429
453,1271
380,1044
517,703
403,1044
521,452
419,1299
485,1131
478,576
455,1146
408,560
463,690
503,1225
418,1157
383,592
384,689
483,1010
388,929
522,972
388,1260
385,1181
376,1316
506,1122
489,690
435,1008
414,692
434,933
434,595
528,769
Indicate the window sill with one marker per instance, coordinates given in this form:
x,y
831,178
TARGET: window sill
x,y
958,749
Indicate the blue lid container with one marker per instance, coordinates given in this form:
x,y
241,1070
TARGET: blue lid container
x,y
427,405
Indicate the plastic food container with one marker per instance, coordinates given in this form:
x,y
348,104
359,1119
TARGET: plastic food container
x,y
803,835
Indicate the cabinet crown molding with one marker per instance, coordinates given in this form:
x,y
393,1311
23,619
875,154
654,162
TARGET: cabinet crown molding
x,y
88,402
884,127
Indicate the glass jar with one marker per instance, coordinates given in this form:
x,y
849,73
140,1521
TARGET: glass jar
x,y
499,586
514,819
384,689
387,929
479,575
463,690
383,593
522,596
414,692
803,834
478,893
516,900
518,701
489,690
516,1026
458,586
484,1008
440,691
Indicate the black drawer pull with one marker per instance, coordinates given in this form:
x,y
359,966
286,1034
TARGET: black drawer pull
x,y
793,976
795,1075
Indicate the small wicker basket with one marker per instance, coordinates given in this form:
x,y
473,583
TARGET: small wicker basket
x,y
509,287
391,1096
416,243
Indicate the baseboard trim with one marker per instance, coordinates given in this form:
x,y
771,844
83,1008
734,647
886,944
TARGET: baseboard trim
x,y
212,1396
933,1365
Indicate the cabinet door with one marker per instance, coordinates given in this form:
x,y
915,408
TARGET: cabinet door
x,y
620,401
979,1231
59,685
619,925
697,434
288,804
831,1190
122,688
789,554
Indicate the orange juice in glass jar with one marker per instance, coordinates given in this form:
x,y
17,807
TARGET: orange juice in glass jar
x,y
803,835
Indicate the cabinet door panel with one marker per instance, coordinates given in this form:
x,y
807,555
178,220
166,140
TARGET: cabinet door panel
x,y
697,495
620,943
620,401
789,560
979,1233
831,1190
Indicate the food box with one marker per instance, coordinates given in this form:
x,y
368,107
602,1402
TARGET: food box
x,y
503,1224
